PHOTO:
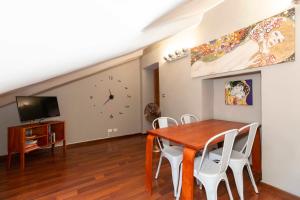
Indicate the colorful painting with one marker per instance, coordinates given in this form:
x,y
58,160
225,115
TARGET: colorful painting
x,y
239,92
268,42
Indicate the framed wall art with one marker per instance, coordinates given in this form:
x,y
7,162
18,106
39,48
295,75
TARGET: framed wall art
x,y
264,43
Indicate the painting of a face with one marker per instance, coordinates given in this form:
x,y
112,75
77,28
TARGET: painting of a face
x,y
275,38
264,43
238,92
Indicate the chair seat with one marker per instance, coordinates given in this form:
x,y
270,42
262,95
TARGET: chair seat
x,y
235,155
209,167
174,151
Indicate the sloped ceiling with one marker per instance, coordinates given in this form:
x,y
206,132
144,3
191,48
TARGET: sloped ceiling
x,y
44,39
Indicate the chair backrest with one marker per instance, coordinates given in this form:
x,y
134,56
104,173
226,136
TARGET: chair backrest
x,y
246,150
229,137
188,118
163,122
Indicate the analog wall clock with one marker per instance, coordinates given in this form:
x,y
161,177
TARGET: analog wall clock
x,y
116,98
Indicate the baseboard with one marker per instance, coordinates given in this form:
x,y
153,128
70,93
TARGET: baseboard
x,y
275,189
102,140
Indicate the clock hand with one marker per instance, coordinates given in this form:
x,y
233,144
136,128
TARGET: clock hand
x,y
107,101
111,96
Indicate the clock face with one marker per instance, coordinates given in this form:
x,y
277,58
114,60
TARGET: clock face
x,y
115,98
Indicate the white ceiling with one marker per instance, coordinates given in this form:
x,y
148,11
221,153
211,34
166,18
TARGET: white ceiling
x,y
42,39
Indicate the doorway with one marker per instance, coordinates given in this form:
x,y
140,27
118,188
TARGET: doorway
x,y
150,90
156,86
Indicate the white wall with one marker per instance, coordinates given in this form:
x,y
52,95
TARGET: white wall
x,y
238,113
280,124
82,114
280,84
8,117
180,94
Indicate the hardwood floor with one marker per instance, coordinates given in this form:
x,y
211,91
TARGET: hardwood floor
x,y
105,170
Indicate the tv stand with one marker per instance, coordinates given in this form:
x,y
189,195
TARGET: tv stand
x,y
29,137
40,121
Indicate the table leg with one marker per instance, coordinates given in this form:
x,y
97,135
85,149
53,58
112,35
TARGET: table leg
x,y
256,157
148,163
188,174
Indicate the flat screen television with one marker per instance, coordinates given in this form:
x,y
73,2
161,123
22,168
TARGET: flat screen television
x,y
37,107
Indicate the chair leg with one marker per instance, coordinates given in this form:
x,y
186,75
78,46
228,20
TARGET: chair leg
x,y
238,177
179,184
175,176
251,177
158,167
211,191
200,184
228,188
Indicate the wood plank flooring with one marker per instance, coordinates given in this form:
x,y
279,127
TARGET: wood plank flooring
x,y
106,170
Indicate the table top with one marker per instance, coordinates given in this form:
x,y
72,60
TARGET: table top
x,y
195,135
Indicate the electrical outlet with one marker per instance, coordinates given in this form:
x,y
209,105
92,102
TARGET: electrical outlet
x,y
115,129
109,131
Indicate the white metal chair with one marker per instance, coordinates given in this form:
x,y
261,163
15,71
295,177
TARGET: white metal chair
x,y
239,159
209,173
188,118
174,154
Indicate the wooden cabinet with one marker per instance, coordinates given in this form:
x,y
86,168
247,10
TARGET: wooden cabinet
x,y
26,138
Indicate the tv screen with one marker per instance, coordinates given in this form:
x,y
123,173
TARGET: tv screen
x,y
37,107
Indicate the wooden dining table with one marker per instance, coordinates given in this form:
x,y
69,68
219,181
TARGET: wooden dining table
x,y
193,137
